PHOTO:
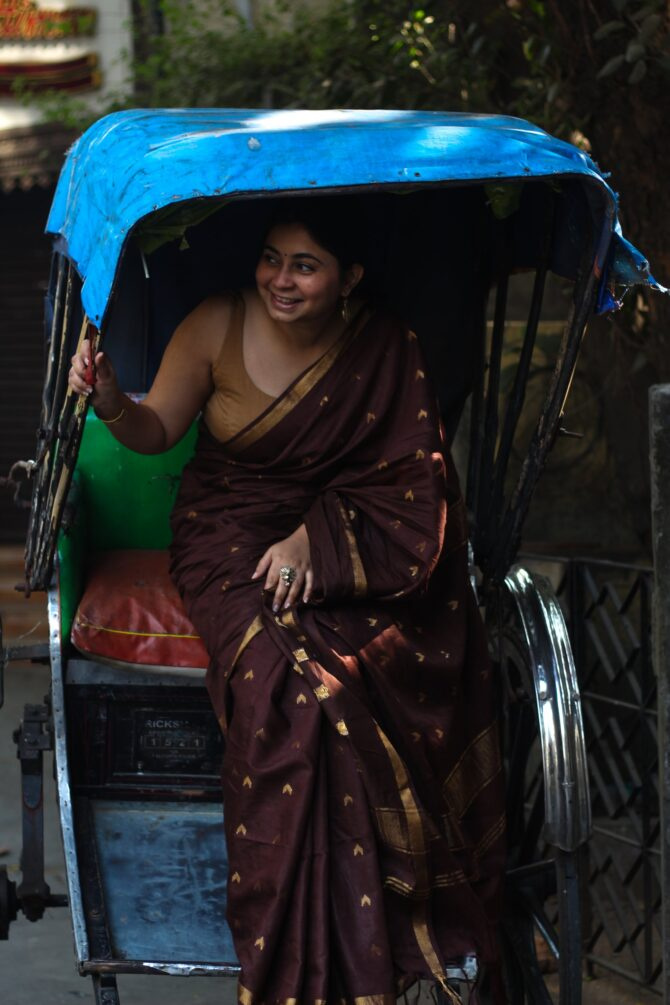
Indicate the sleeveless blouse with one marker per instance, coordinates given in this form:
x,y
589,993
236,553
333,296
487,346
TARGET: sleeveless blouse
x,y
235,401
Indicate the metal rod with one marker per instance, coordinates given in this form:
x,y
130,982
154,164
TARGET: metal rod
x,y
518,393
585,293
484,511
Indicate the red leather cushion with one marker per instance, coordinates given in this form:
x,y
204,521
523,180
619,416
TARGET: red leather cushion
x,y
131,612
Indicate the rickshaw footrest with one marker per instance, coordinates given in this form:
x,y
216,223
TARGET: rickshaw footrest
x,y
106,989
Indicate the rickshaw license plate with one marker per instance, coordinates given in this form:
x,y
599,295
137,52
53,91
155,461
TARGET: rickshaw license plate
x,y
167,741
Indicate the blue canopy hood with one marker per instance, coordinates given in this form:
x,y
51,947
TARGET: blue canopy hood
x,y
131,164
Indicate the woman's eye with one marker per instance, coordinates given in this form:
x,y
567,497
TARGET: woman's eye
x,y
303,267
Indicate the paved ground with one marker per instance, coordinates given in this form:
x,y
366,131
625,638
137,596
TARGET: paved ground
x,y
37,963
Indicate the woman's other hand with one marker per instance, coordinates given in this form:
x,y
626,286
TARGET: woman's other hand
x,y
293,553
104,391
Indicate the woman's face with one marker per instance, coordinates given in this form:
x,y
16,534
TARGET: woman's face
x,y
297,279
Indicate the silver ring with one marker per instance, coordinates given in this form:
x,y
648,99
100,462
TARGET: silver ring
x,y
287,574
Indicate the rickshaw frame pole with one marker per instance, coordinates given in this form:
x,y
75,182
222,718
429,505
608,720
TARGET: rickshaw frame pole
x,y
659,433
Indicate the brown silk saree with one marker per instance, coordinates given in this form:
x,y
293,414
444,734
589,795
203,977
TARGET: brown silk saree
x,y
362,773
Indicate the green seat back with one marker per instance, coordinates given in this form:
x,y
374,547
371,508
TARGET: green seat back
x,y
121,500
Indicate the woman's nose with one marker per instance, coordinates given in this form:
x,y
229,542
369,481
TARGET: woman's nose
x,y
283,277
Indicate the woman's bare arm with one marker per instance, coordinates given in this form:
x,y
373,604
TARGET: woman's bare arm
x,y
181,388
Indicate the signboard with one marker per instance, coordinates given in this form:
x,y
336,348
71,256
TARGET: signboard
x,y
23,20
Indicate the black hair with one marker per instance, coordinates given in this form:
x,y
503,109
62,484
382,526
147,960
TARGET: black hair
x,y
330,222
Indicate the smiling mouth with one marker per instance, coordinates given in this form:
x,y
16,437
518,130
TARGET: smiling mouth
x,y
284,301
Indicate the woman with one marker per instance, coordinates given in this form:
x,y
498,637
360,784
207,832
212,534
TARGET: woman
x,y
320,548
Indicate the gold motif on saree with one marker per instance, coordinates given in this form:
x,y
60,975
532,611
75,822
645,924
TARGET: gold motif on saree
x,y
447,879
416,845
360,580
321,692
241,830
420,454
247,783
478,765
370,417
348,800
382,464
414,569
358,850
419,375
365,901
244,995
421,414
301,700
249,675
341,727
235,878
260,943
300,655
420,657
409,495
287,790
254,628
491,836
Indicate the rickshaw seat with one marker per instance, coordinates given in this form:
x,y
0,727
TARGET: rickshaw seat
x,y
117,599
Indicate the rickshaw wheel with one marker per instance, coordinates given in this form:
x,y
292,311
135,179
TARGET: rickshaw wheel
x,y
541,926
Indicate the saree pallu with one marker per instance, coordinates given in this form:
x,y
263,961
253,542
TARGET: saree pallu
x,y
362,773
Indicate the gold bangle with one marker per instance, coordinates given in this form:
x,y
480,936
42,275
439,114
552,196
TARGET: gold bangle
x,y
110,422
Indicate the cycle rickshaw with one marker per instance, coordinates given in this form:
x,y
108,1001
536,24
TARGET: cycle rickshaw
x,y
147,217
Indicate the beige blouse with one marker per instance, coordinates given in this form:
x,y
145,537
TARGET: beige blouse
x,y
236,401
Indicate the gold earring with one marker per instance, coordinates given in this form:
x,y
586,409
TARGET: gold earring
x,y
346,314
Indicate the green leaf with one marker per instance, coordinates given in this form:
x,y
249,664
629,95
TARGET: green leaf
x,y
608,29
553,91
611,66
503,199
545,52
649,26
635,51
643,12
638,72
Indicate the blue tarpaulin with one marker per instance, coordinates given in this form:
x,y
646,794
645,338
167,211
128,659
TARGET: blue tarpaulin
x,y
132,164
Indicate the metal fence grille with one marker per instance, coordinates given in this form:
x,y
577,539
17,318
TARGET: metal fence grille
x,y
608,609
